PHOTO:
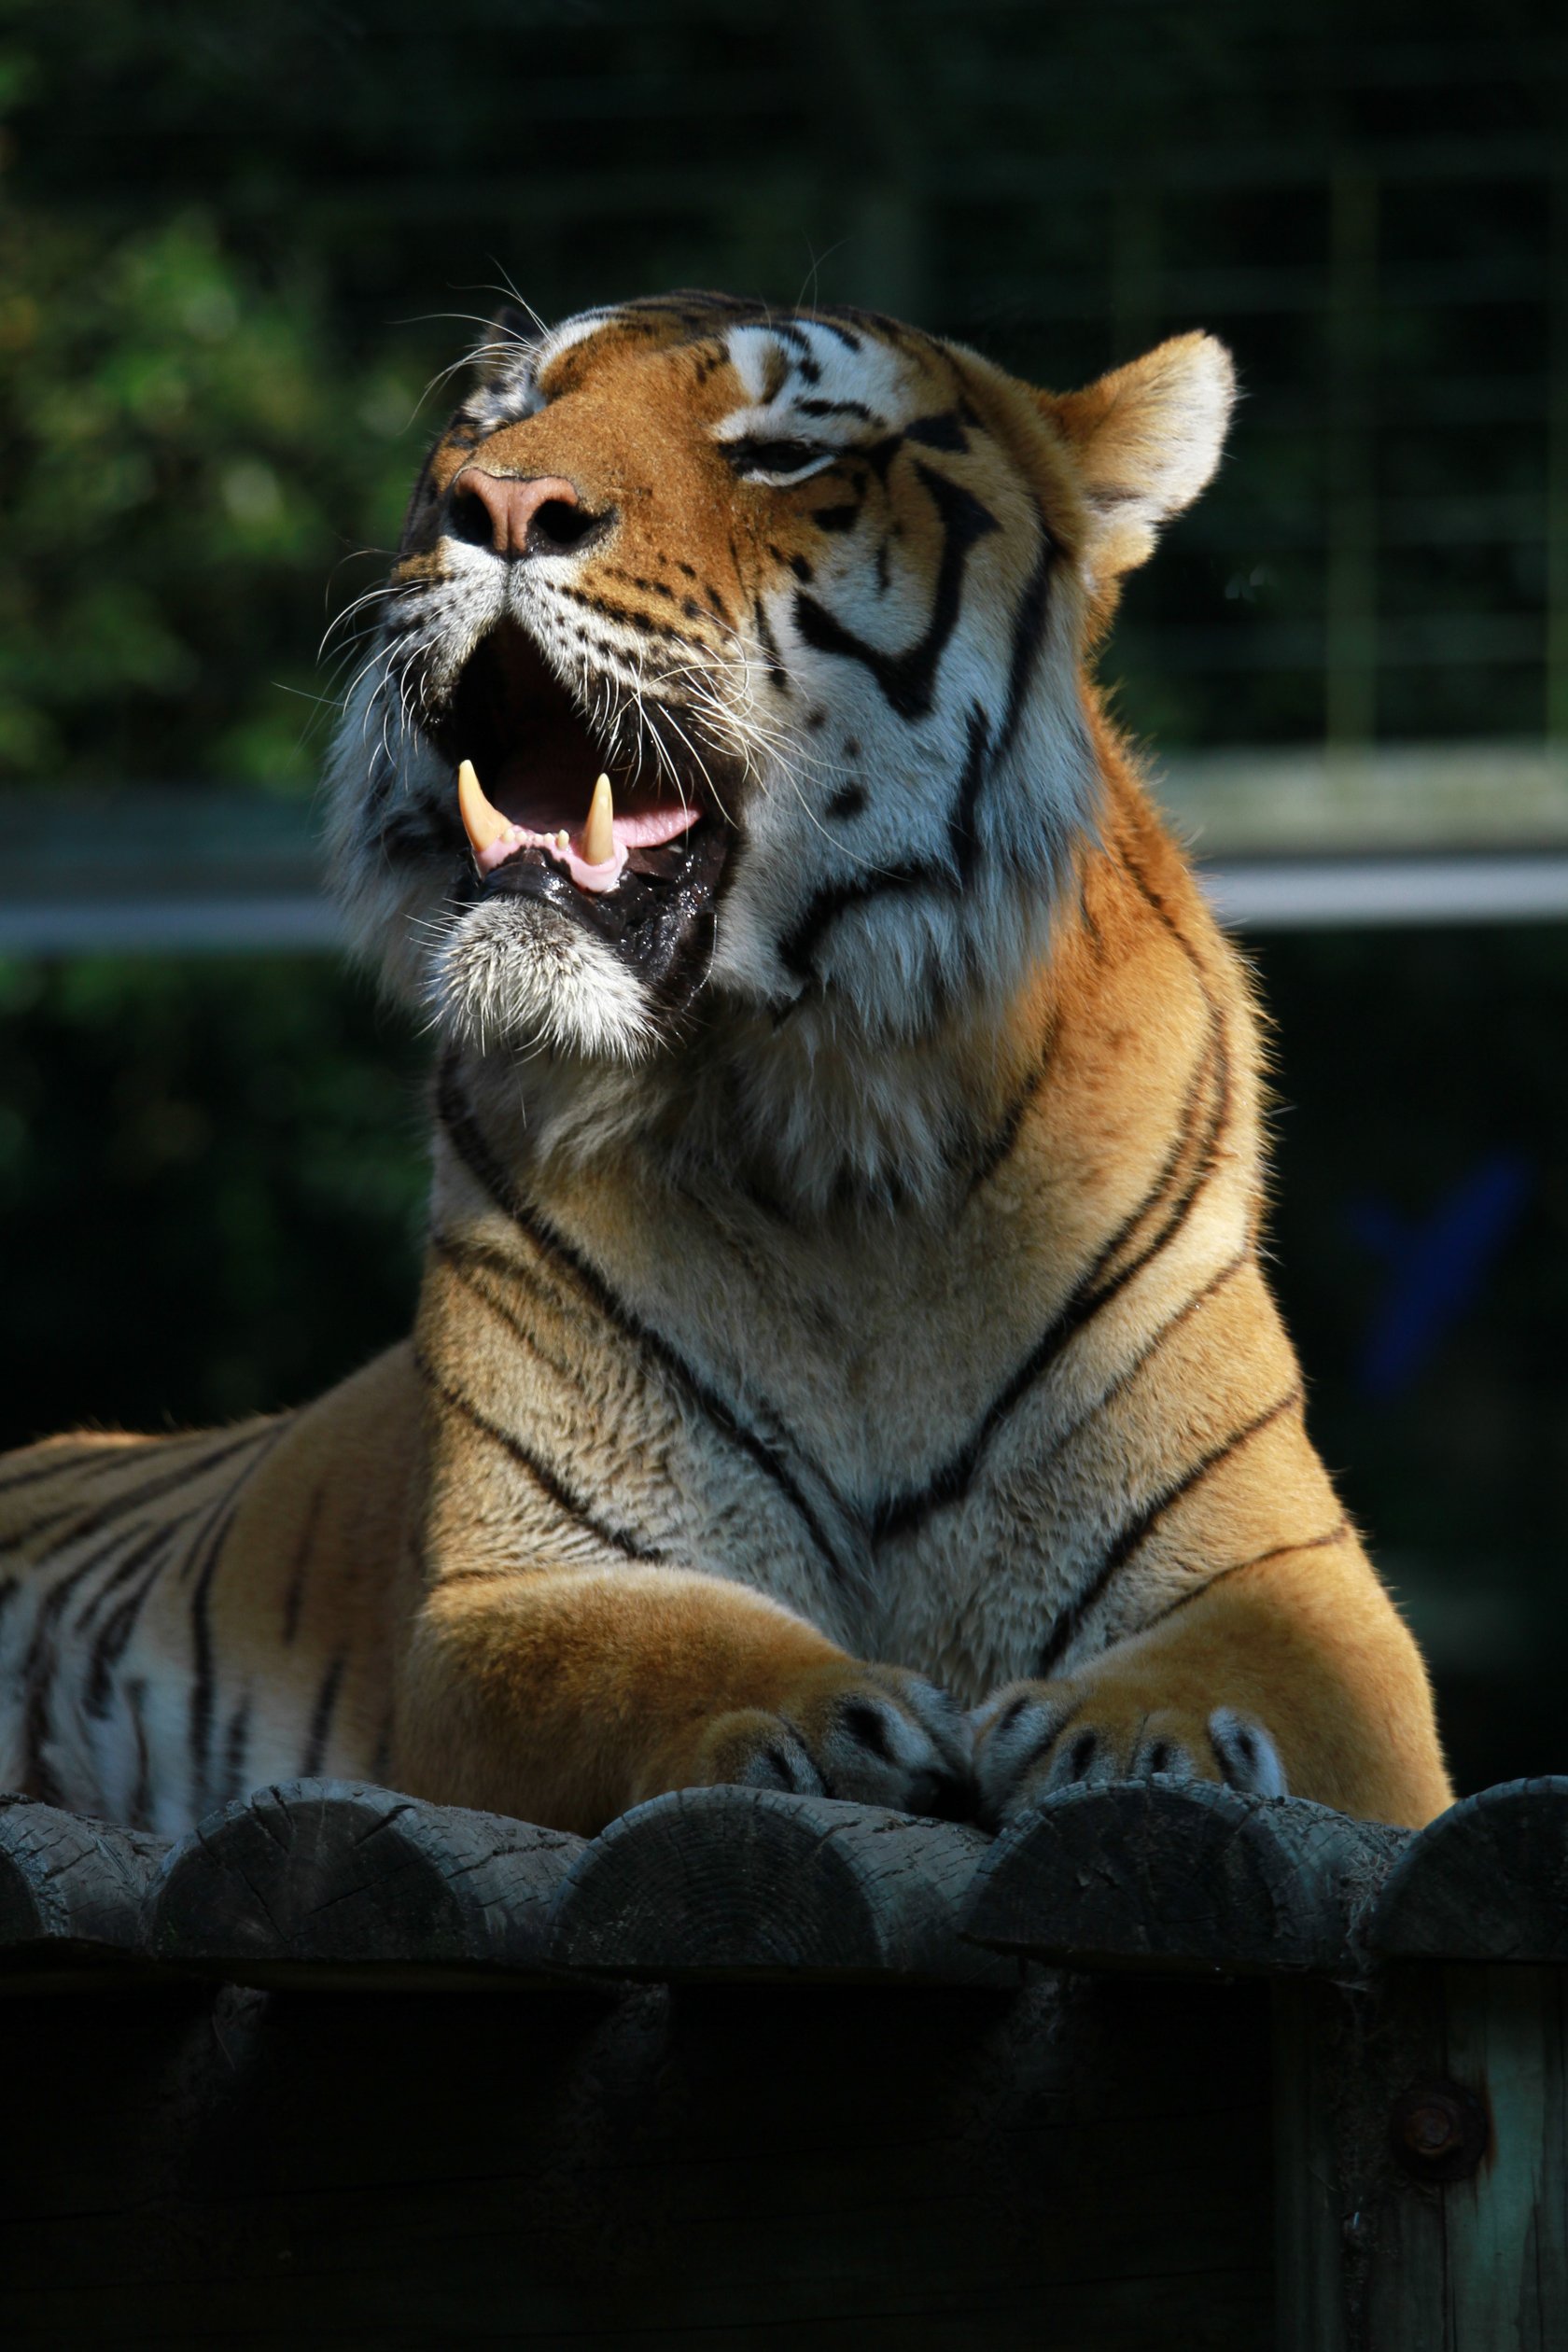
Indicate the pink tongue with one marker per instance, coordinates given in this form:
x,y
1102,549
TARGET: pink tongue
x,y
639,829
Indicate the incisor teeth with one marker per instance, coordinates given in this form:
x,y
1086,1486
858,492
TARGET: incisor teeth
x,y
482,824
598,834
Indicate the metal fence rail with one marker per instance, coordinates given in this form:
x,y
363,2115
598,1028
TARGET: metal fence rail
x,y
1470,833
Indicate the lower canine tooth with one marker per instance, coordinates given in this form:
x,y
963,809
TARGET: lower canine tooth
x,y
598,834
483,825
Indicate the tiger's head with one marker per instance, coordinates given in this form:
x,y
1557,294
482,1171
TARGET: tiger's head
x,y
813,590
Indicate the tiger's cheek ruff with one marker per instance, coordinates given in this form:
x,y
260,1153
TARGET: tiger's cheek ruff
x,y
396,874
943,882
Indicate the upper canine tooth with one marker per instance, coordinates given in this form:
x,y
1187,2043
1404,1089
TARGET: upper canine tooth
x,y
482,824
598,834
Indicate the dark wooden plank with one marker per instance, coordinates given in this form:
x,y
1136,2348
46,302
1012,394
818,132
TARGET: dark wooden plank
x,y
337,1882
72,1891
1506,2221
746,1881
1485,1881
746,2167
1421,2160
1452,2159
1186,1875
1310,2211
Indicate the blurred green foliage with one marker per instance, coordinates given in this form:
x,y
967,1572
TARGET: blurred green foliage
x,y
179,449
212,1180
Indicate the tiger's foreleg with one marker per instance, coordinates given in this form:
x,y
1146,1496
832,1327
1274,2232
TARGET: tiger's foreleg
x,y
1294,1675
565,1696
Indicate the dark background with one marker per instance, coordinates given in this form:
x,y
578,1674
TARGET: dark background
x,y
236,244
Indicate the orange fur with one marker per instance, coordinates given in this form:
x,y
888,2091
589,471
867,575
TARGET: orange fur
x,y
924,1327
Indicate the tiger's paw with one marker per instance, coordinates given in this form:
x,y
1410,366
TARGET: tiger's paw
x,y
1032,1739
876,1735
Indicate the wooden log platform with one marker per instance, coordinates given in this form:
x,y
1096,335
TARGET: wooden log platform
x,y
1160,2069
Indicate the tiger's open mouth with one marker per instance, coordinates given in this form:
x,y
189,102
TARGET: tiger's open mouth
x,y
552,814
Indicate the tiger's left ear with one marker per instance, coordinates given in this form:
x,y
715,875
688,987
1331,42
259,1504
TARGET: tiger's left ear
x,y
1145,440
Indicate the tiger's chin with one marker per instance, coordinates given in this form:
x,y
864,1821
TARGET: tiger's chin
x,y
514,977
541,964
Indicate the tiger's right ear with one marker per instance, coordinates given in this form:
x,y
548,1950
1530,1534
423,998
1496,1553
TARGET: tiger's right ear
x,y
1145,440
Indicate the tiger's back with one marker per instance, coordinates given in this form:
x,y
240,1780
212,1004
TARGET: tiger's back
x,y
183,1618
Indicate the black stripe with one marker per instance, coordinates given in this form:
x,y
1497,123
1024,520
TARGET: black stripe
x,y
944,430
236,1747
37,1673
299,1566
964,839
686,305
94,1460
798,947
118,1506
140,1808
1138,1531
891,330
209,1552
605,608
1028,635
1106,1286
1158,906
908,679
1336,1534
1162,1333
570,1506
777,671
413,835
321,1717
1093,1291
461,1261
469,1142
849,801
129,1564
852,408
1096,936
999,1147
65,1460
791,331
1145,1355
114,1635
825,319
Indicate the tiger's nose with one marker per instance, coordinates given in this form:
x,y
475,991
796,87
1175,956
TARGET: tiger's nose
x,y
532,514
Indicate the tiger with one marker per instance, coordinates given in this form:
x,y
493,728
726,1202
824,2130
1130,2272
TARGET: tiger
x,y
843,1361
